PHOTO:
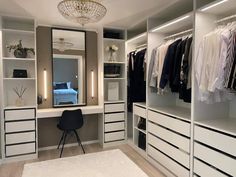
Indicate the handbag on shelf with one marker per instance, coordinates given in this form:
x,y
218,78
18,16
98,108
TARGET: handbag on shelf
x,y
142,123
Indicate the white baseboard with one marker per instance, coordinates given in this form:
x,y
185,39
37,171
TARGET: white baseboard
x,y
68,145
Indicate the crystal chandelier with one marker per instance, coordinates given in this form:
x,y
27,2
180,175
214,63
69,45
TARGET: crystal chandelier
x,y
82,11
61,45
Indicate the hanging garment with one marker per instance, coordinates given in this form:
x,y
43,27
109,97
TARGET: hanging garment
x,y
184,92
137,83
168,64
177,65
214,64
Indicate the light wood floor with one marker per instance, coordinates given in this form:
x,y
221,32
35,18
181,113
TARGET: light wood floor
x,y
15,169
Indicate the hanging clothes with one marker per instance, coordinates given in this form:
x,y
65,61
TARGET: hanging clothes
x,y
136,77
215,65
168,62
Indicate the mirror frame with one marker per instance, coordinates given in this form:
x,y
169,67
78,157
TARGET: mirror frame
x,y
85,67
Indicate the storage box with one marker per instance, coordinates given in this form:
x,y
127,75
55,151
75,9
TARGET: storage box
x,y
113,91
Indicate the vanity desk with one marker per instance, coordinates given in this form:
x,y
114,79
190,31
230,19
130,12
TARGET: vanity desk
x,y
57,112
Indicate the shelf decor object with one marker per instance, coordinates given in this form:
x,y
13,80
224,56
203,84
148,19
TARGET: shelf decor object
x,y
19,50
112,52
20,92
82,11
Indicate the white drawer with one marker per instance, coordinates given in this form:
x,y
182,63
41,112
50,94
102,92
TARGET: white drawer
x,y
114,107
114,136
114,117
171,151
20,126
169,136
140,111
168,163
109,127
169,122
20,149
11,115
216,159
214,139
20,137
204,170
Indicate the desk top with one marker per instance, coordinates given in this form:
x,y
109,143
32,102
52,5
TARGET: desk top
x,y
56,112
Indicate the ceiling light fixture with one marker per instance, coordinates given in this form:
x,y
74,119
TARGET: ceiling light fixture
x,y
82,11
171,23
61,45
213,5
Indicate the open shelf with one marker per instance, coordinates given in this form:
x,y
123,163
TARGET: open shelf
x,y
143,131
14,31
19,79
225,125
114,40
175,111
141,104
18,59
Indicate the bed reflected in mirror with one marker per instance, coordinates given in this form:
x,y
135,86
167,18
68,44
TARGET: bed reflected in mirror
x,y
68,61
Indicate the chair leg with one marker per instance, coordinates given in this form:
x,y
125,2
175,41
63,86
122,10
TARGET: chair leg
x,y
62,137
78,139
63,143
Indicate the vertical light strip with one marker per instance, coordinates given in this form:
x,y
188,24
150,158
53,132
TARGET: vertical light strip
x,y
45,84
92,83
213,5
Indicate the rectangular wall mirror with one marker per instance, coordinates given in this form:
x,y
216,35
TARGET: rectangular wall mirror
x,y
68,67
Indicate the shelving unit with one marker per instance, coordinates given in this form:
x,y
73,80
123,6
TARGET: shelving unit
x,y
133,44
14,29
214,124
169,118
139,112
114,108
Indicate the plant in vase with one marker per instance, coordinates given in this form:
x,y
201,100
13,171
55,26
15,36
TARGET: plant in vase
x,y
20,92
19,50
112,52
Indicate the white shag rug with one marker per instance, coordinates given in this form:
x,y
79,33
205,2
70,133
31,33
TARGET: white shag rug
x,y
112,163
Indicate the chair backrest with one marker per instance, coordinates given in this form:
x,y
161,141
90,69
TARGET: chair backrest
x,y
71,119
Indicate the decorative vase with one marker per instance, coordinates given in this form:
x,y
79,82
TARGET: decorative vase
x,y
20,53
20,102
112,57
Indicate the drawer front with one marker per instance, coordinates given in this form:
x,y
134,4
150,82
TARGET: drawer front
x,y
214,139
20,137
140,111
169,150
169,122
114,126
114,107
20,126
114,136
204,170
216,159
11,115
169,136
167,162
20,149
114,117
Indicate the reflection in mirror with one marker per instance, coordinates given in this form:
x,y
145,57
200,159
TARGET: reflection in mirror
x,y
69,86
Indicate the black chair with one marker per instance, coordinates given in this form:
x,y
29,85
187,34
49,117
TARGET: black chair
x,y
70,121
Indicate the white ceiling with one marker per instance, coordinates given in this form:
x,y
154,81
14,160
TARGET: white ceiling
x,y
121,13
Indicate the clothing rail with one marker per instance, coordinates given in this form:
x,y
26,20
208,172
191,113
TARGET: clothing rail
x,y
226,19
179,34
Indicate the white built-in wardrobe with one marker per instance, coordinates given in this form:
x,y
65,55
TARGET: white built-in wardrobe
x,y
186,139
